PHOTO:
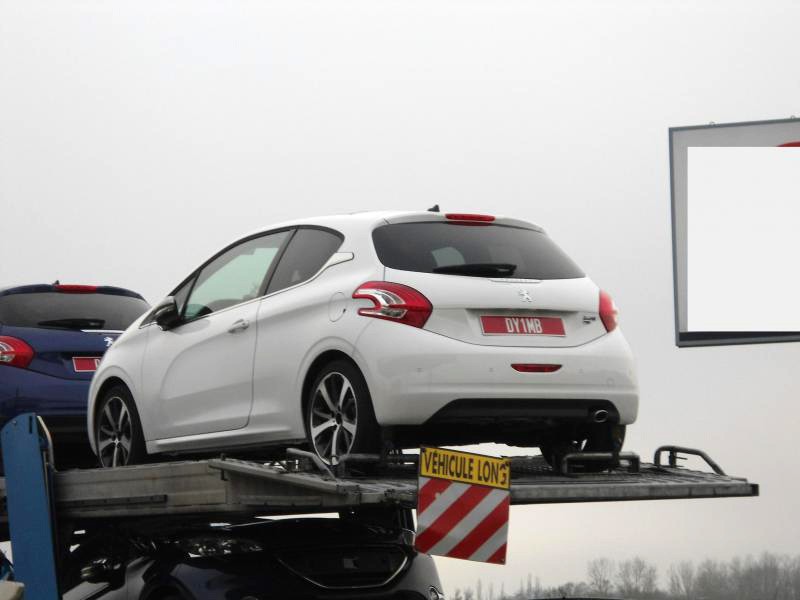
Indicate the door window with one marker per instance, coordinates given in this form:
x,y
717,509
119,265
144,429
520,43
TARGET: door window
x,y
304,257
235,276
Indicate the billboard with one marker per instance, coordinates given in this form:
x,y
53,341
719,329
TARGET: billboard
x,y
736,232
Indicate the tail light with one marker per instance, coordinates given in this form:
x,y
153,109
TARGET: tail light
x,y
394,302
608,311
14,352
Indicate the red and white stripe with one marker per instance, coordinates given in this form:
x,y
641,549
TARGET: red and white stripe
x,y
461,520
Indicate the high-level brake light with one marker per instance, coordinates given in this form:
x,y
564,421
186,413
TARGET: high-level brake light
x,y
394,302
608,311
535,368
71,288
469,217
14,352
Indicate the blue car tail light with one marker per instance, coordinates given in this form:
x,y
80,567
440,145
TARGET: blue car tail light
x,y
14,352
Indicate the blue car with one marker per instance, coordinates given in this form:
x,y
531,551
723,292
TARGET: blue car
x,y
52,338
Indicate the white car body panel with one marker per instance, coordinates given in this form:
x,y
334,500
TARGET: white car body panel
x,y
198,378
423,375
459,301
287,344
199,387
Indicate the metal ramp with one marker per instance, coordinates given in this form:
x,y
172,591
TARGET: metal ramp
x,y
225,486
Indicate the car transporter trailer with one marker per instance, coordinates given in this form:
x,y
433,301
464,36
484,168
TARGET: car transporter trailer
x,y
39,506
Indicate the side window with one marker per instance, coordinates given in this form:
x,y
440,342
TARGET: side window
x,y
307,252
235,276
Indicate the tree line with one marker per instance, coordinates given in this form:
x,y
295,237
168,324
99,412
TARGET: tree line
x,y
766,577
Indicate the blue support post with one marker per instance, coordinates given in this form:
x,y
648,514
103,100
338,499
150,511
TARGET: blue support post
x,y
29,504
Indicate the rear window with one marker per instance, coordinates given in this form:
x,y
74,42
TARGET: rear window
x,y
475,250
70,311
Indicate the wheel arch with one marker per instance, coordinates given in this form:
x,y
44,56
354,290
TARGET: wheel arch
x,y
108,383
94,404
368,436
102,388
316,365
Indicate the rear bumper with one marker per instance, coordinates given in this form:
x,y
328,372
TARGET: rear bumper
x,y
415,377
60,402
517,421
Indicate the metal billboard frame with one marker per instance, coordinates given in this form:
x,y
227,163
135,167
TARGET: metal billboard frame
x,y
713,338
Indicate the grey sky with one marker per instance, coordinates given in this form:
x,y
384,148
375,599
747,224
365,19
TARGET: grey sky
x,y
138,137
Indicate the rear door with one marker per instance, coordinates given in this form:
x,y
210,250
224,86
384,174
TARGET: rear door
x,y
199,375
493,284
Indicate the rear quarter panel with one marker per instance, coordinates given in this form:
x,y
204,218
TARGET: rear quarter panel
x,y
297,325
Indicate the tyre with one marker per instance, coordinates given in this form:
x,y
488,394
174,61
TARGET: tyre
x,y
340,419
118,431
600,438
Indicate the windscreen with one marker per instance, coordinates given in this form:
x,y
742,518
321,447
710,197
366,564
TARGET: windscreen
x,y
70,311
473,250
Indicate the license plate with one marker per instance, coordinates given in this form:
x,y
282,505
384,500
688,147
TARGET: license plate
x,y
85,364
495,325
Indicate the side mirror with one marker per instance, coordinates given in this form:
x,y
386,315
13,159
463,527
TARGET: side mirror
x,y
102,570
166,313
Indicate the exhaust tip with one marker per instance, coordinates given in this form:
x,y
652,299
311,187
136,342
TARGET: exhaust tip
x,y
600,416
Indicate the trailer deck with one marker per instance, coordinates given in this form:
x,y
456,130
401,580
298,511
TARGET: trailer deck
x,y
226,486
41,509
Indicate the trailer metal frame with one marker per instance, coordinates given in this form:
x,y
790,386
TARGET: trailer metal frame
x,y
228,486
232,489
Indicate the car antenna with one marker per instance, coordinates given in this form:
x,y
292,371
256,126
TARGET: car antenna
x,y
434,208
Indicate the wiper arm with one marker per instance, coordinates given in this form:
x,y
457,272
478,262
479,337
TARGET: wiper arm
x,y
479,269
74,323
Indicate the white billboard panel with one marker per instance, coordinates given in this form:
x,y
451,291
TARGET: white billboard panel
x,y
736,232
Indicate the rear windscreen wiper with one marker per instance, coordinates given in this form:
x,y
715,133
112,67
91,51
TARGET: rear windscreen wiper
x,y
74,323
479,269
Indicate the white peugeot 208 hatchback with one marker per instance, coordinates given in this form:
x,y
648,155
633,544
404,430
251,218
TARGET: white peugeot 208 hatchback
x,y
366,332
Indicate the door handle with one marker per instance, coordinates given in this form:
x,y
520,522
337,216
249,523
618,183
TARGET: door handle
x,y
239,325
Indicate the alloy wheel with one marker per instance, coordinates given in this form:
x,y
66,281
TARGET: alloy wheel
x,y
114,433
333,417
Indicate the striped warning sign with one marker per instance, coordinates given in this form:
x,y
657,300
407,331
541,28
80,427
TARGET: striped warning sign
x,y
460,519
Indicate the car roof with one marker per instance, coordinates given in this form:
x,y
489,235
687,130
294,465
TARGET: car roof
x,y
39,288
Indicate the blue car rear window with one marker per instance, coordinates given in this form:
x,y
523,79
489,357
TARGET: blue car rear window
x,y
70,311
